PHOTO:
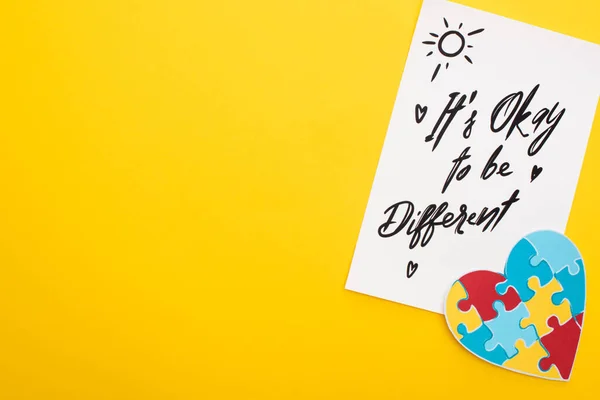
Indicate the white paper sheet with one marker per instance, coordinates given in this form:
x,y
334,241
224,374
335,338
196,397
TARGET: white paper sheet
x,y
541,86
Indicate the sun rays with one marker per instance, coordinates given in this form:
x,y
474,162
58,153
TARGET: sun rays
x,y
451,43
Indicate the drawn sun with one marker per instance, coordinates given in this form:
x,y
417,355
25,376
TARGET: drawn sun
x,y
450,44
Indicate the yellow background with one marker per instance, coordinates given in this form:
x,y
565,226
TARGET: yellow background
x,y
182,185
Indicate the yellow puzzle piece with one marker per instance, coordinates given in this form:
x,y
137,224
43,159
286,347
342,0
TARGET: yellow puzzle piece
x,y
541,308
455,316
528,358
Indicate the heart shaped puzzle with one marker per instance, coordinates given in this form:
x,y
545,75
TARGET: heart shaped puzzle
x,y
528,320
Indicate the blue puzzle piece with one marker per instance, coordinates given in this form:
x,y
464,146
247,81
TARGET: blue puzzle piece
x,y
506,329
475,342
519,269
573,289
556,249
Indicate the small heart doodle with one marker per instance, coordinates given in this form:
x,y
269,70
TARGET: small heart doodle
x,y
420,113
529,319
411,268
535,172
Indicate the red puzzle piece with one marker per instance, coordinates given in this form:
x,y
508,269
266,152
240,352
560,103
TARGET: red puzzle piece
x,y
481,290
561,344
579,318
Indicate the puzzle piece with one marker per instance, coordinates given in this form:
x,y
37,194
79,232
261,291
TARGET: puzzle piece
x,y
556,249
561,344
481,291
519,269
528,358
475,342
506,329
540,306
579,319
470,319
573,288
